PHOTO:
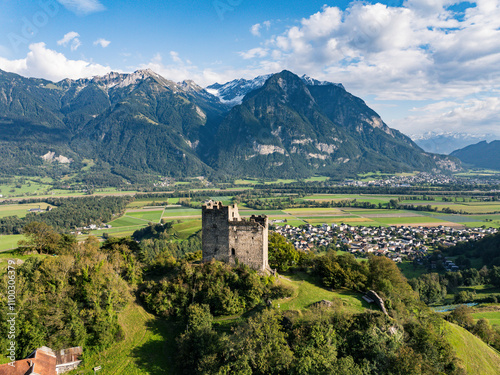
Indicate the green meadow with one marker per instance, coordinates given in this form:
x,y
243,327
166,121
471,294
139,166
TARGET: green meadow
x,y
476,356
492,316
307,292
20,210
10,241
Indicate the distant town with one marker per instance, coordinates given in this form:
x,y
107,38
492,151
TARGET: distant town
x,y
397,243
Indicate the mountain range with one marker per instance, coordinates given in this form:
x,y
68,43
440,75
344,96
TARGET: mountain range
x,y
447,142
279,125
480,155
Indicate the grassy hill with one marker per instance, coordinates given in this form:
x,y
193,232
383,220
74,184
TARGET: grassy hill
x,y
476,356
148,347
307,292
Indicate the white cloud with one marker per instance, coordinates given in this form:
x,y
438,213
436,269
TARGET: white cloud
x,y
476,116
255,29
83,7
417,51
182,69
71,38
175,57
102,42
42,62
254,52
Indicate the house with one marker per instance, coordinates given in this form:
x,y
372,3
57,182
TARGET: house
x,y
44,361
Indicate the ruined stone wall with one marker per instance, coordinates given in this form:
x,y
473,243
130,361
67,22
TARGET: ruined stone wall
x,y
215,232
248,241
227,237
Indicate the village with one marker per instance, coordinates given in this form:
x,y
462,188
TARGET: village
x,y
419,179
397,243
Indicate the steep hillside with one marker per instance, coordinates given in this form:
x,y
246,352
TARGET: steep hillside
x,y
476,357
480,155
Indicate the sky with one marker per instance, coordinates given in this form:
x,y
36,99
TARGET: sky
x,y
423,65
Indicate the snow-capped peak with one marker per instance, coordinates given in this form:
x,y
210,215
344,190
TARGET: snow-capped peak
x,y
233,92
314,82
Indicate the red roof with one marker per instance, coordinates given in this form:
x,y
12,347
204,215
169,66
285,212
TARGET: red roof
x,y
42,362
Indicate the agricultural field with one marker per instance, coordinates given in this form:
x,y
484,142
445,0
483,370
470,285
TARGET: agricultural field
x,y
187,228
20,210
174,213
21,186
147,215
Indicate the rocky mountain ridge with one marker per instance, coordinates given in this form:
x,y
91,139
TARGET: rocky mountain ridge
x,y
285,126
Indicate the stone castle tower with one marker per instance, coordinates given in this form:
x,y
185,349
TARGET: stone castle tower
x,y
227,237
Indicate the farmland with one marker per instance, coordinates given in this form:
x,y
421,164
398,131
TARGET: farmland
x,y
142,211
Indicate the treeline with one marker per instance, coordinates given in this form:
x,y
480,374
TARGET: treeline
x,y
157,252
224,289
70,213
325,339
487,249
433,288
319,341
71,299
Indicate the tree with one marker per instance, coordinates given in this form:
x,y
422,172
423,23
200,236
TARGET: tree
x,y
41,237
260,345
282,254
484,331
462,316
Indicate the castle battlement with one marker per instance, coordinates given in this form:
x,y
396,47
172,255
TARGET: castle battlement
x,y
227,237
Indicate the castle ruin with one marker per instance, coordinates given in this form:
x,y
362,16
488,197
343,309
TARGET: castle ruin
x,y
227,237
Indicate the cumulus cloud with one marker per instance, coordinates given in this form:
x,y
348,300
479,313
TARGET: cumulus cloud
x,y
41,62
83,7
71,39
102,42
255,29
254,52
477,116
178,69
422,50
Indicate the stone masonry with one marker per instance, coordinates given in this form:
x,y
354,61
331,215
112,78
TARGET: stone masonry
x,y
227,237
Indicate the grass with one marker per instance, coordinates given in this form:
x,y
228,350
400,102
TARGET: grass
x,y
13,254
410,271
10,241
153,216
308,292
187,228
476,356
174,212
20,210
293,222
127,221
148,347
492,316
408,220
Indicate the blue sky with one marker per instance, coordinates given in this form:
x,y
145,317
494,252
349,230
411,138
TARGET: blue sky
x,y
424,65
